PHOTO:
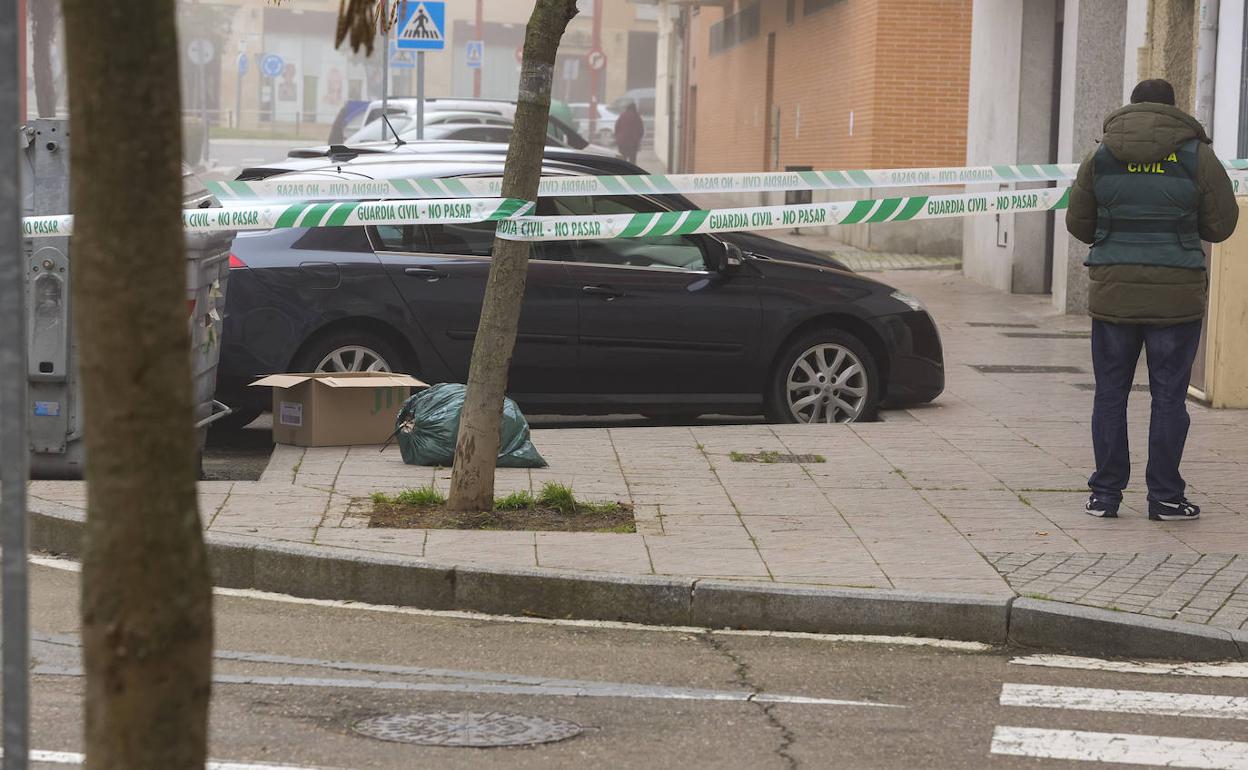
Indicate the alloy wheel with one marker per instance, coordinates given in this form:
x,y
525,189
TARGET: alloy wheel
x,y
827,383
353,358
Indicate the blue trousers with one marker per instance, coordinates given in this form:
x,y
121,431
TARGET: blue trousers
x,y
1170,352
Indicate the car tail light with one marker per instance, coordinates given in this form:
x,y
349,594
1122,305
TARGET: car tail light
x,y
235,262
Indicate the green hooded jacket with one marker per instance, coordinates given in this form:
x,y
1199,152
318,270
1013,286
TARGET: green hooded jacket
x,y
1152,294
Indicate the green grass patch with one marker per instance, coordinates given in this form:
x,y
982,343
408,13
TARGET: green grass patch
x,y
553,508
515,501
557,496
425,495
770,457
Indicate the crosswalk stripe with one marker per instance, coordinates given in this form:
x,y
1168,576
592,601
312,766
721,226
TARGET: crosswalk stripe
x,y
1177,704
1120,748
1234,670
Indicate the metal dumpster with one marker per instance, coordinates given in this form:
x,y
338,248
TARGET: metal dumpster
x,y
55,394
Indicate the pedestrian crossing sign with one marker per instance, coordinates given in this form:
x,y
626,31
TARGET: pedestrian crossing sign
x,y
422,25
474,53
401,59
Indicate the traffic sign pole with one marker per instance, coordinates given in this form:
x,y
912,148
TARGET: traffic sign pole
x,y
420,94
422,27
593,73
476,73
385,71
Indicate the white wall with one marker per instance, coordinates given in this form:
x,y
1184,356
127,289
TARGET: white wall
x,y
1225,128
992,129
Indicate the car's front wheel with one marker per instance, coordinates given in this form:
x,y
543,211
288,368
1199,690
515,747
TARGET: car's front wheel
x,y
824,376
349,350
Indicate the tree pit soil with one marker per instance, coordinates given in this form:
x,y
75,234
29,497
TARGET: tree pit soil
x,y
540,518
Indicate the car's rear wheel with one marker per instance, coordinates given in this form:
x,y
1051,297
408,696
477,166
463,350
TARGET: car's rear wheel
x,y
824,376
349,350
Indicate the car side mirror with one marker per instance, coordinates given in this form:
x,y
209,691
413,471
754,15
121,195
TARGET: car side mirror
x,y
725,258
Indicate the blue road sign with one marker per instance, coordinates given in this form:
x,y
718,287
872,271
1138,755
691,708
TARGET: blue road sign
x,y
271,65
474,53
242,64
401,59
422,26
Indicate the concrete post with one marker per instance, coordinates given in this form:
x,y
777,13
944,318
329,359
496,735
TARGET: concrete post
x,y
1171,45
1093,57
1010,120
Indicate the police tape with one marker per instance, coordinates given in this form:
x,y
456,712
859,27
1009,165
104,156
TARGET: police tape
x,y
516,223
671,223
325,214
648,184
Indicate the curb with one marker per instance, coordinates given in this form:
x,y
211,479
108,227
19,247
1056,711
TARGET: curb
x,y
319,572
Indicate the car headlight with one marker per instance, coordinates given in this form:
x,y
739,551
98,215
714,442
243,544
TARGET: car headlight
x,y
911,302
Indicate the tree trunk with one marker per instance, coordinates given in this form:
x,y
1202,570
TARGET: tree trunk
x,y
146,592
43,21
476,450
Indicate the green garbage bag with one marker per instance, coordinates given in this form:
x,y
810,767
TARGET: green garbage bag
x,y
428,426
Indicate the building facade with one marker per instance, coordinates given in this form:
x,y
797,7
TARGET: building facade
x,y
316,78
798,84
1045,73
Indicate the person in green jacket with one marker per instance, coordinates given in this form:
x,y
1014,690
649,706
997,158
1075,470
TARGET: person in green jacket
x,y
1144,200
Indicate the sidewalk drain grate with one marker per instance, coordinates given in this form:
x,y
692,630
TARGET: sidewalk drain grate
x,y
988,325
1024,369
477,729
1092,386
1049,335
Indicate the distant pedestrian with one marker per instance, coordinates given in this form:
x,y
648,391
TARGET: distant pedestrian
x,y
1145,199
629,130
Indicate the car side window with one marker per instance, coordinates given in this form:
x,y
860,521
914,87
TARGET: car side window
x,y
660,252
399,238
474,239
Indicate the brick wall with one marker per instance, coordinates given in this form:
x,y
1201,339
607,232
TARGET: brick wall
x,y
897,68
923,56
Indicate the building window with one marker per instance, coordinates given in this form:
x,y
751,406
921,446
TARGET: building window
x,y
790,11
815,6
735,29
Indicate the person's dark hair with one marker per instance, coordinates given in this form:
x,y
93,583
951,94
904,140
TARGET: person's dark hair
x,y
1156,90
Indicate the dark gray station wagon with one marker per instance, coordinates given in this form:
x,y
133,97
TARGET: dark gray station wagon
x,y
662,326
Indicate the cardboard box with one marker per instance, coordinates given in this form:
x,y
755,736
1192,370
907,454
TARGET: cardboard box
x,y
336,409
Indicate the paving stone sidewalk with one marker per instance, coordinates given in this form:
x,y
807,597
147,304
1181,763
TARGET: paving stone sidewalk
x,y
980,492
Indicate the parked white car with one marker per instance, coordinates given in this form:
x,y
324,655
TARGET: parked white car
x,y
604,131
405,124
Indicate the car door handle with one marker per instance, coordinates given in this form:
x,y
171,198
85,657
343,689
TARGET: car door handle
x,y
428,273
597,290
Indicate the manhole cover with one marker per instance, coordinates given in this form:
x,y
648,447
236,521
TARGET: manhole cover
x,y
1049,335
987,325
467,728
1024,369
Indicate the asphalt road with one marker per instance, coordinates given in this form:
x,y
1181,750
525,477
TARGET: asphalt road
x,y
300,674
